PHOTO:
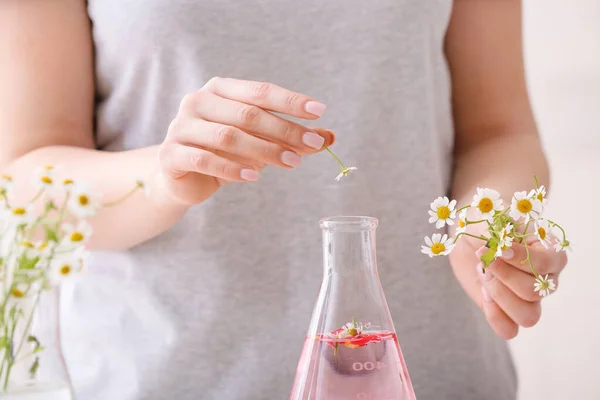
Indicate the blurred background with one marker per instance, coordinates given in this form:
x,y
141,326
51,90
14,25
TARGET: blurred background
x,y
558,358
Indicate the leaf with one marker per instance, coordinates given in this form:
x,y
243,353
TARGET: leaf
x,y
51,235
490,255
38,349
34,368
28,263
33,339
3,341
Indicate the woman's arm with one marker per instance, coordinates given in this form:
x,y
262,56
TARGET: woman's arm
x,y
46,117
497,146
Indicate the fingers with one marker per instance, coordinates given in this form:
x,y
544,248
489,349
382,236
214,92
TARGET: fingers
x,y
545,261
521,312
254,120
234,141
177,160
501,323
519,282
266,96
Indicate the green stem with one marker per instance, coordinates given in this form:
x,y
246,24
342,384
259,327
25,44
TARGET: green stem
x,y
468,234
37,196
561,229
128,195
537,184
61,212
530,263
336,158
467,222
23,337
463,208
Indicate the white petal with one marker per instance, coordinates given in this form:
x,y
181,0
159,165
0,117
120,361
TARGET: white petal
x,y
428,241
449,222
435,238
452,205
444,238
440,223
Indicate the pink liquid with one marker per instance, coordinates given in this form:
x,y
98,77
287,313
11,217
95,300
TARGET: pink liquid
x,y
367,367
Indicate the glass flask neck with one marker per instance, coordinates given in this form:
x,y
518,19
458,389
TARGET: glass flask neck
x,y
349,246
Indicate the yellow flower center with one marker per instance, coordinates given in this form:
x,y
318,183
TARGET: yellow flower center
x,y
443,212
540,196
83,200
43,245
485,205
352,332
461,223
524,206
65,269
504,234
7,177
19,211
17,293
49,167
27,244
437,248
542,233
76,237
46,179
68,182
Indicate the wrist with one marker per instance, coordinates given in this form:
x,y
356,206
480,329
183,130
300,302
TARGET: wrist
x,y
161,197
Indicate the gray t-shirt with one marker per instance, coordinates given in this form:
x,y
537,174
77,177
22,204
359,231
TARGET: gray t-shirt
x,y
218,307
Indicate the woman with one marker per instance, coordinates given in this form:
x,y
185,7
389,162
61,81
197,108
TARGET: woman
x,y
204,289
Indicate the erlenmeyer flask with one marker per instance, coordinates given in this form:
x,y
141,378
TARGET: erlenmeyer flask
x,y
351,350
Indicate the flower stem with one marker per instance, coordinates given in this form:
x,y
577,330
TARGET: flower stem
x,y
475,222
126,196
462,208
561,229
37,196
468,234
530,263
336,157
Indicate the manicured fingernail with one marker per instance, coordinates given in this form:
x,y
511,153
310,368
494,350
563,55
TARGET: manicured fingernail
x,y
290,158
508,254
486,295
249,175
313,140
484,276
315,108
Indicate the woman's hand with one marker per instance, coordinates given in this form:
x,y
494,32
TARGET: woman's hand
x,y
505,292
225,132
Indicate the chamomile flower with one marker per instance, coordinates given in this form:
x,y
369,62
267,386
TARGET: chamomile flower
x,y
438,245
506,240
75,236
542,231
27,249
6,181
442,212
562,245
44,178
462,222
526,206
487,202
21,215
540,194
544,285
62,268
83,202
344,172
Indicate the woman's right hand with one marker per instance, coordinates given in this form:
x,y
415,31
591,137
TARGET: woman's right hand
x,y
225,132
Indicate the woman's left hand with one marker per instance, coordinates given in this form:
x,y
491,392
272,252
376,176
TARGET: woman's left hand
x,y
505,293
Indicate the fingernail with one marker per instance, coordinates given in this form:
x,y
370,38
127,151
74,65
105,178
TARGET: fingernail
x,y
249,175
315,108
486,295
508,254
290,158
313,140
484,276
